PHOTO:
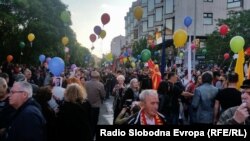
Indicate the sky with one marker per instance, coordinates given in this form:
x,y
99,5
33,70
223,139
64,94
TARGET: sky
x,y
86,14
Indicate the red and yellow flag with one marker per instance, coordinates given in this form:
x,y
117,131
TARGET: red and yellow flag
x,y
156,74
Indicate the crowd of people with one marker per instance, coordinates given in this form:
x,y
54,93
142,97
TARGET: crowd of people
x,y
35,105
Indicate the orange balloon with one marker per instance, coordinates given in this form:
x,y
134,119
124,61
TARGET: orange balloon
x,y
9,58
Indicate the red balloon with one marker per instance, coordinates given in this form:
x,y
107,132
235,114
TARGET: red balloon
x,y
247,52
9,58
226,56
223,30
92,38
105,18
193,46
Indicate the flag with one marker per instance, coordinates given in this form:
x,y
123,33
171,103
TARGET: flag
x,y
156,74
239,68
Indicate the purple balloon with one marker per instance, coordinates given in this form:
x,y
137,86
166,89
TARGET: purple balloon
x,y
73,66
48,59
129,51
97,30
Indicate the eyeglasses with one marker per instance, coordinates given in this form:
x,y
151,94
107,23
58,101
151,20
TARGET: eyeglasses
x,y
13,92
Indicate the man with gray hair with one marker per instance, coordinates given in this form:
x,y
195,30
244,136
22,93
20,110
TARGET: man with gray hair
x,y
29,123
148,115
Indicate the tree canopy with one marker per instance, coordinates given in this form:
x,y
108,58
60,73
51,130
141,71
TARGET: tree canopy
x,y
44,19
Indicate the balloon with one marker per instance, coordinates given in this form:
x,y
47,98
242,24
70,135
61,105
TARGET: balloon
x,y
237,43
204,51
56,66
180,38
21,44
42,58
92,48
9,58
223,29
73,66
138,12
97,30
105,18
48,59
66,49
145,55
125,60
133,64
187,21
65,16
109,57
125,54
247,52
65,40
226,56
138,57
129,51
181,54
103,34
92,38
156,53
31,37
193,46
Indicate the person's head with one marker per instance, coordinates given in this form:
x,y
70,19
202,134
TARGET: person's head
x,y
207,77
3,87
20,77
198,80
150,102
95,75
233,77
27,74
20,93
5,76
172,77
75,93
44,94
73,80
245,97
134,84
79,73
120,79
216,75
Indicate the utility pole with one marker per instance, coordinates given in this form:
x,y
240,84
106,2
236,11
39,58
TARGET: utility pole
x,y
195,17
163,53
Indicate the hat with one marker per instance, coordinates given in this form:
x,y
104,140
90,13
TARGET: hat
x,y
20,77
246,84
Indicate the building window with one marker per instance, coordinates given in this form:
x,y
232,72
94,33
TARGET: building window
x,y
169,4
150,21
144,1
234,3
208,0
151,5
208,18
158,1
144,26
145,12
169,26
158,13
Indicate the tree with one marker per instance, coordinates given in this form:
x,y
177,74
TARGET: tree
x,y
217,45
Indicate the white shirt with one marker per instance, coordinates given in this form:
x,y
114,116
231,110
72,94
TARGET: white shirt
x,y
150,121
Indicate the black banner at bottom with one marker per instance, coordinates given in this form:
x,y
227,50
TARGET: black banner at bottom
x,y
175,132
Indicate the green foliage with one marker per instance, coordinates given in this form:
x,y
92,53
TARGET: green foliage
x,y
18,18
217,45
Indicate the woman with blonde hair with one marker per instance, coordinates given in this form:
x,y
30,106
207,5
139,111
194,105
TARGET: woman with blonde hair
x,y
74,115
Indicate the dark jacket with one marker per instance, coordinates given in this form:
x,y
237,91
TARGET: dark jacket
x,y
74,122
28,124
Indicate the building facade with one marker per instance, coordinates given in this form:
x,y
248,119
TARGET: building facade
x,y
158,14
117,44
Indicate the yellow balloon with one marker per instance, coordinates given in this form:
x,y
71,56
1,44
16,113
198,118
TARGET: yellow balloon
x,y
138,12
31,37
180,38
133,64
109,57
103,34
125,60
65,40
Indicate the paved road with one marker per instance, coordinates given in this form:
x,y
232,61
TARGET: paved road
x,y
106,112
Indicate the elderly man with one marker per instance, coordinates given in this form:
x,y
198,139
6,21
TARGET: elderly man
x,y
29,123
238,114
148,115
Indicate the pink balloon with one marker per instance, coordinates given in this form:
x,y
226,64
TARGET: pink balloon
x,y
226,56
193,46
105,18
92,38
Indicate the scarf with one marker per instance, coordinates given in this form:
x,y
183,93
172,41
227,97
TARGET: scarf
x,y
144,121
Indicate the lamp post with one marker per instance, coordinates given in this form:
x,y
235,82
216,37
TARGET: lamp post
x,y
163,53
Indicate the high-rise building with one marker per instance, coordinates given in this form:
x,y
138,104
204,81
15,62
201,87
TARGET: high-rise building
x,y
117,44
171,13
